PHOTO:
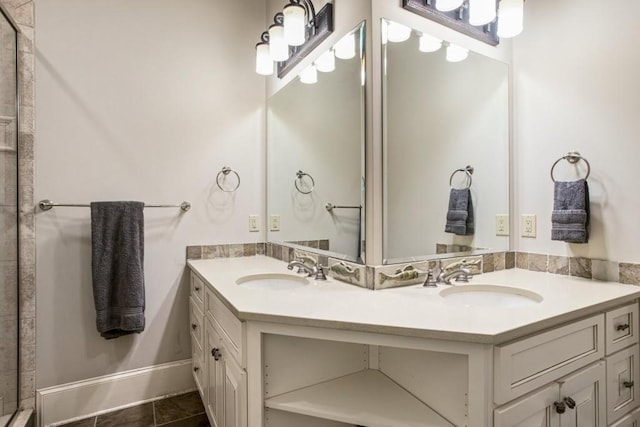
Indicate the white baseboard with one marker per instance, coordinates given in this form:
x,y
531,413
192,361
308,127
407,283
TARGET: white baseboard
x,y
95,396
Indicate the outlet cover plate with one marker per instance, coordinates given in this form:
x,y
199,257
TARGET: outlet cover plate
x,y
528,225
502,225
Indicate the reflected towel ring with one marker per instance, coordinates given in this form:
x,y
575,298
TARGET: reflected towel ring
x,y
224,172
572,157
301,174
468,170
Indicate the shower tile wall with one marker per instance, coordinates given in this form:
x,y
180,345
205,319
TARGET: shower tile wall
x,y
22,11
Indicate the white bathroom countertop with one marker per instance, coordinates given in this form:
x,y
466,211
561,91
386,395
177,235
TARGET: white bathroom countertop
x,y
413,310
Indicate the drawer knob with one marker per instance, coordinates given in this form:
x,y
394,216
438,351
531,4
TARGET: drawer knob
x,y
560,407
570,402
194,326
196,369
628,384
216,354
197,288
622,327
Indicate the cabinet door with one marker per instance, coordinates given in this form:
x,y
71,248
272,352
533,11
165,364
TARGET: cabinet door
x,y
235,406
214,394
584,396
534,410
623,373
631,420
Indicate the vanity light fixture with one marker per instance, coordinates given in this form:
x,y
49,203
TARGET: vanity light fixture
x,y
326,63
309,75
428,43
264,63
456,53
484,20
346,47
397,33
296,31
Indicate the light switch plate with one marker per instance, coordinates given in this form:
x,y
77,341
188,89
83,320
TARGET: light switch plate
x,y
528,225
254,223
502,225
274,223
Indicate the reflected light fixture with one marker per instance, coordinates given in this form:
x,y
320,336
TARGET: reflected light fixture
x,y
309,75
510,18
481,12
397,33
447,5
264,63
428,43
326,63
456,53
346,47
295,32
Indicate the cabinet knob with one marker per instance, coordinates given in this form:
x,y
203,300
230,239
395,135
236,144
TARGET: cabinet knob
x,y
197,288
570,402
194,326
560,407
628,384
622,327
216,354
196,369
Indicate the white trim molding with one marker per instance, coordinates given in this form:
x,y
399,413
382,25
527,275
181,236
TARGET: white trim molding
x,y
95,396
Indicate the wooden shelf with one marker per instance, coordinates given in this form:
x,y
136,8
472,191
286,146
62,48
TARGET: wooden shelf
x,y
366,398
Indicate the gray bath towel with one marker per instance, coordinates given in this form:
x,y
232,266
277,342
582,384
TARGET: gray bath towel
x,y
460,219
117,244
570,216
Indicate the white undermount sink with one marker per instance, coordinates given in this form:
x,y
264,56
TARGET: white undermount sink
x,y
272,281
489,296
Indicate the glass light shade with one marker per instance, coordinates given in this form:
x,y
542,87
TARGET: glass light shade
x,y
447,5
278,45
309,75
510,18
383,31
264,64
429,43
481,12
327,62
294,24
456,53
346,47
397,33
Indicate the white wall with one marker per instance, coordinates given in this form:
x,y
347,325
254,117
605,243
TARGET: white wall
x,y
140,100
577,88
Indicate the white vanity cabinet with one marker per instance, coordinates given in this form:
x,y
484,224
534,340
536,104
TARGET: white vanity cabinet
x,y
217,341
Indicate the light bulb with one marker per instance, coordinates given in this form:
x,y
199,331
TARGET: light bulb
x,y
456,53
327,62
309,75
264,64
510,17
447,5
346,47
481,12
397,33
277,44
384,31
429,43
294,24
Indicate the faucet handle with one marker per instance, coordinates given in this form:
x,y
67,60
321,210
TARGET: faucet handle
x,y
430,281
465,275
320,274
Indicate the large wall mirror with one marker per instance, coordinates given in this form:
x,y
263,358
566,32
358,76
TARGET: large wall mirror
x,y
444,108
315,154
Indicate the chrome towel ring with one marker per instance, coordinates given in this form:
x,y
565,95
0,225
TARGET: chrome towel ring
x,y
223,173
572,157
468,171
300,175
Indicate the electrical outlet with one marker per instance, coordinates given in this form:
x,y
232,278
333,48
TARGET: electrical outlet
x,y
254,223
274,223
502,225
528,225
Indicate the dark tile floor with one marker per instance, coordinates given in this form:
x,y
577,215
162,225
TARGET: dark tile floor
x,y
184,410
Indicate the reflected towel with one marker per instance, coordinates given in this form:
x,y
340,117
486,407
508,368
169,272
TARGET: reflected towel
x,y
117,245
570,216
460,219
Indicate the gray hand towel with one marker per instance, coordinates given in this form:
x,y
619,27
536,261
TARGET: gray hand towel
x,y
570,216
460,219
117,244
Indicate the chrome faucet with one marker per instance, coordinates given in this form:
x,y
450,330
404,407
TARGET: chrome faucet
x,y
316,271
461,275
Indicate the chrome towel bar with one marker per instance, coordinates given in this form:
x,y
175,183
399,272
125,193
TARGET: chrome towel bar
x,y
47,205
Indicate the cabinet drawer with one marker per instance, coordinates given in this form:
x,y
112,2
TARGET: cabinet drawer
x,y
622,327
631,420
197,291
196,325
230,327
525,365
536,409
623,379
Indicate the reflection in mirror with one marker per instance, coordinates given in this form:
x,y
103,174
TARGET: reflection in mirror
x,y
315,140
445,108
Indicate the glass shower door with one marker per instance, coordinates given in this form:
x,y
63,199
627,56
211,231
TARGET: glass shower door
x,y
9,320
